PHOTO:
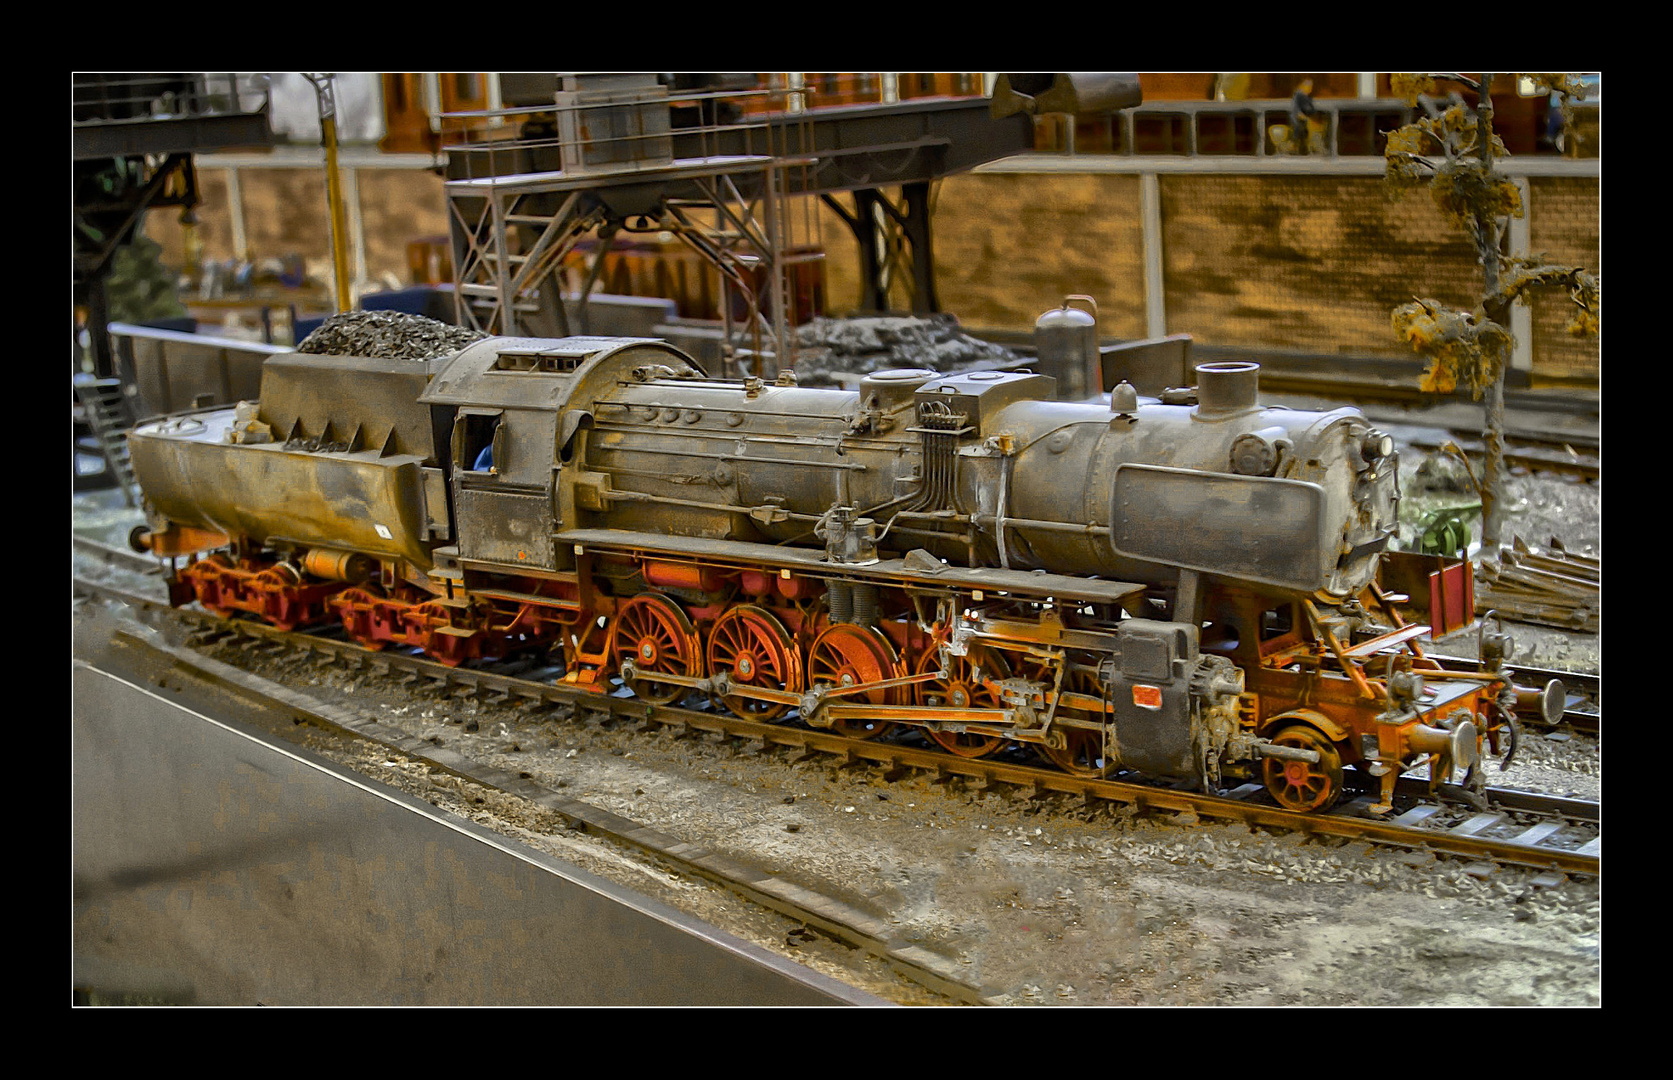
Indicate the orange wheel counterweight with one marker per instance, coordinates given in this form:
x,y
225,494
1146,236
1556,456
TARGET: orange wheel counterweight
x,y
849,655
751,647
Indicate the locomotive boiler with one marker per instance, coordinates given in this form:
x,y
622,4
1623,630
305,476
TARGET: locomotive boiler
x,y
1169,586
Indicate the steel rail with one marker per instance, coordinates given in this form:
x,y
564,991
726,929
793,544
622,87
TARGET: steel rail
x,y
1406,830
130,560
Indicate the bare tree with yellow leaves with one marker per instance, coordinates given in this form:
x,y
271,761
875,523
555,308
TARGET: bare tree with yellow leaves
x,y
1452,154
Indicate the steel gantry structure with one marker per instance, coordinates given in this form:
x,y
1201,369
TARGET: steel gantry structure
x,y
718,170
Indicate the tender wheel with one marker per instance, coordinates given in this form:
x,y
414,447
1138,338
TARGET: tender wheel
x,y
845,655
960,690
652,632
442,648
219,562
273,583
354,608
1300,785
750,646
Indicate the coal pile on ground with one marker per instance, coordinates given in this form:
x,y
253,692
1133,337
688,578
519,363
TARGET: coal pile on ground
x,y
392,335
827,347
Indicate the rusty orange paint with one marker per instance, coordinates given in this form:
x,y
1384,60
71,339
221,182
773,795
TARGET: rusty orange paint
x,y
184,540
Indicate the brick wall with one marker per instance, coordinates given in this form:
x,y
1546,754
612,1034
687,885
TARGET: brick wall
x,y
1302,264
1310,264
399,206
1297,263
1009,247
1565,224
285,213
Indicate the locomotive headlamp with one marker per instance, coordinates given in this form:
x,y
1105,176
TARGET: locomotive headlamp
x,y
1376,445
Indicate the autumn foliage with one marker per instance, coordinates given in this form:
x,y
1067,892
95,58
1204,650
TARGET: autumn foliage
x,y
1442,152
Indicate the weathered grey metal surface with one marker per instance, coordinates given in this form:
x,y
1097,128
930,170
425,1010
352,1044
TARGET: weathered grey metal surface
x,y
356,501
977,468
853,147
1078,93
333,397
1253,528
122,113
349,437
506,527
1026,481
1066,348
477,376
172,370
1151,366
213,867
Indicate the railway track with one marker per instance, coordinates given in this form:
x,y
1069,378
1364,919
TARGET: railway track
x,y
1582,710
1561,458
1510,827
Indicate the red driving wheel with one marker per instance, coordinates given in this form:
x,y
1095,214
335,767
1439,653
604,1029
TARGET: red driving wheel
x,y
849,655
750,646
653,633
961,690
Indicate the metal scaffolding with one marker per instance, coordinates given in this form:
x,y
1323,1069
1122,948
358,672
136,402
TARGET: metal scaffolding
x,y
730,174
622,168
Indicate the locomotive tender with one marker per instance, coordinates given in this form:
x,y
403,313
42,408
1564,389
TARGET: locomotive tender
x,y
1168,586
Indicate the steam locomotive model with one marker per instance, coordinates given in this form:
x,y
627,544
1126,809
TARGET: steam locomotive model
x,y
1166,586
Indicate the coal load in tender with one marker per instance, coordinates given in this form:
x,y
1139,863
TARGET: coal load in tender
x,y
864,345
392,335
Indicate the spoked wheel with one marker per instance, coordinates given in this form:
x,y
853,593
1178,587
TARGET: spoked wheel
x,y
1084,753
846,655
652,632
752,647
961,690
1301,785
1083,756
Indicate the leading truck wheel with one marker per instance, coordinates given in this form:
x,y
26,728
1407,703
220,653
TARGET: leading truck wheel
x,y
1301,785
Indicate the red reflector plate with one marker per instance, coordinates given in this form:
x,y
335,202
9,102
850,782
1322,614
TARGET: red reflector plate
x,y
1147,697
